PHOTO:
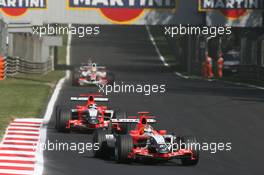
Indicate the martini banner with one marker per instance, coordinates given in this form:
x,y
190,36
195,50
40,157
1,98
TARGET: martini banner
x,y
235,13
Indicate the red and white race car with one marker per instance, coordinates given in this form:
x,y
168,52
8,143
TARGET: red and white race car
x,y
91,74
143,142
88,116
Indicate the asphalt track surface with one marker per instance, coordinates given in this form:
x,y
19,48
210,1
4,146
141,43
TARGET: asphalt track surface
x,y
213,111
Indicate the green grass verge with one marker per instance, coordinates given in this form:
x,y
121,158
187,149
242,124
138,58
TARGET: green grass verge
x,y
24,96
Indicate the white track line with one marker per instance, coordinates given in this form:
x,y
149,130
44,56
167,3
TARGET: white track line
x,y
18,146
21,137
20,141
24,124
56,92
181,75
254,86
17,158
156,47
23,132
28,120
39,166
68,53
17,165
15,172
14,152
160,55
23,128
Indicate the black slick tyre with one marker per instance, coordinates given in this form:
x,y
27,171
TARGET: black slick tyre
x,y
123,147
191,144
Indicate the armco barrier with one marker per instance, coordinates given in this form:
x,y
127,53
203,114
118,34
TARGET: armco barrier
x,y
18,65
12,66
2,68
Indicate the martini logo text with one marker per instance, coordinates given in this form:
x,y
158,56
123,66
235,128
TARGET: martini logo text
x,y
23,4
230,4
122,11
17,8
137,4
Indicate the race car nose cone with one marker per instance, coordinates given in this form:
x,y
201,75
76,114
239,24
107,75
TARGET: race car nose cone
x,y
93,121
162,148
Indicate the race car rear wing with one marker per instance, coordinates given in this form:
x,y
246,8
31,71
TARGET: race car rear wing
x,y
131,120
96,99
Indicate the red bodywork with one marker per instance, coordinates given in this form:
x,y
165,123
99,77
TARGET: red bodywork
x,y
143,152
80,122
94,77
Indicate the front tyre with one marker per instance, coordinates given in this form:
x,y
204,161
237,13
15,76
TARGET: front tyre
x,y
123,147
99,138
191,144
63,120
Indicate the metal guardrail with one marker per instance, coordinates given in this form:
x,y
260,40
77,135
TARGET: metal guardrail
x,y
12,66
19,65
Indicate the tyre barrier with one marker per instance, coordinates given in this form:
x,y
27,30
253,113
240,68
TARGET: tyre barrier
x,y
2,68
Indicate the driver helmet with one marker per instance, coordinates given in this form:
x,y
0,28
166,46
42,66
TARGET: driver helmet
x,y
93,106
94,67
147,129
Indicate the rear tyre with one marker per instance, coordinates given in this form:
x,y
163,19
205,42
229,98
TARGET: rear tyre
x,y
100,139
63,120
123,147
190,140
